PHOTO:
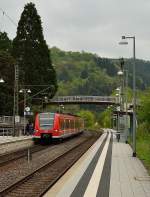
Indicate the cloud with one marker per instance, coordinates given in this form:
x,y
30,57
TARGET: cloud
x,y
89,25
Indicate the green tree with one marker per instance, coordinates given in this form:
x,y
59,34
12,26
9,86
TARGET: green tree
x,y
31,51
7,73
5,42
89,118
105,118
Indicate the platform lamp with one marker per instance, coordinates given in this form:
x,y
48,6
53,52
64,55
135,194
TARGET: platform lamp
x,y
124,42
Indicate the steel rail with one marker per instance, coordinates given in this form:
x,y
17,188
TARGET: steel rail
x,y
15,155
44,167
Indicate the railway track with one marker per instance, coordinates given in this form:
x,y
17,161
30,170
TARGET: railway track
x,y
12,156
39,181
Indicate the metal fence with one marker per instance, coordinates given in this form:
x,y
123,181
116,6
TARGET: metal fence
x,y
6,131
9,120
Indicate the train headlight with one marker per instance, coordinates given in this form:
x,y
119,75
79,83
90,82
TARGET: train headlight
x,y
35,131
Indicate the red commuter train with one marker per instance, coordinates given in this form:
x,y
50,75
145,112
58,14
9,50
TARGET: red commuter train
x,y
56,126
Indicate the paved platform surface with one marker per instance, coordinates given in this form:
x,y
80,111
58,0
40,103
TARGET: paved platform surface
x,y
107,169
129,178
9,139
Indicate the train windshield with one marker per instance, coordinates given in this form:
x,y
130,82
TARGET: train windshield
x,y
46,120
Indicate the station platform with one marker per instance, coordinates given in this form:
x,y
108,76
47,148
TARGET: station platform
x,y
11,139
107,169
10,143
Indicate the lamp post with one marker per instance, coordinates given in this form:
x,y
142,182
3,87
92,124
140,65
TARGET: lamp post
x,y
126,104
120,74
118,94
25,91
123,92
44,102
16,98
134,92
118,109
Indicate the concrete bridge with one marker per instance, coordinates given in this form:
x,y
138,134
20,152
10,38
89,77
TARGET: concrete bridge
x,y
98,100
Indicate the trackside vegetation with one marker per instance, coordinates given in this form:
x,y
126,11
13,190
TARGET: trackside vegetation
x,y
143,131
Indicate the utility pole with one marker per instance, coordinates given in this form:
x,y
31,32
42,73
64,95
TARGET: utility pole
x,y
126,106
24,110
134,101
122,83
16,100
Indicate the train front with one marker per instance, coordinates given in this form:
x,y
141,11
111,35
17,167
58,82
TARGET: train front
x,y
44,127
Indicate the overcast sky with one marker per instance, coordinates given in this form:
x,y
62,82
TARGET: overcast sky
x,y
91,25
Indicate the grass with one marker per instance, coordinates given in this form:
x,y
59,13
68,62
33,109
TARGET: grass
x,y
143,150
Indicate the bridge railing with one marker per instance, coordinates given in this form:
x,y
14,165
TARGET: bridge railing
x,y
85,99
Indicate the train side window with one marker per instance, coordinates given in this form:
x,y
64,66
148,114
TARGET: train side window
x,y
76,124
65,126
61,124
71,124
67,123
